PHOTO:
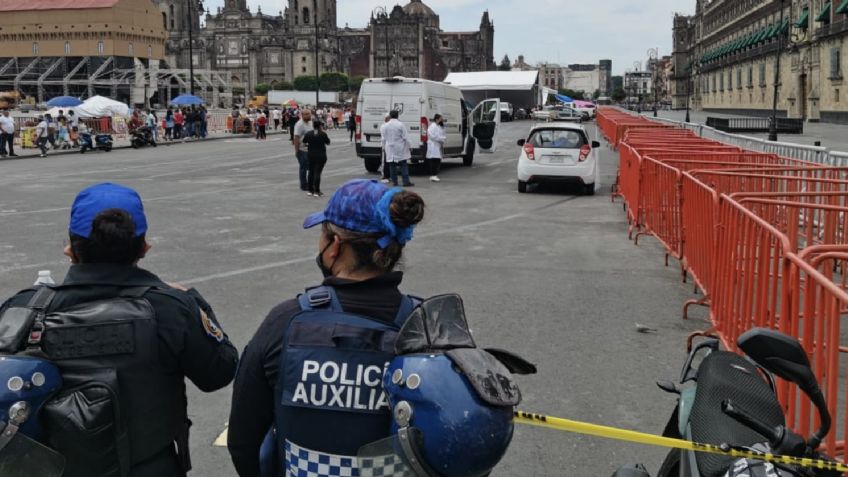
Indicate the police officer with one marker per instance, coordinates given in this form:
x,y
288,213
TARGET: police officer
x,y
142,338
313,370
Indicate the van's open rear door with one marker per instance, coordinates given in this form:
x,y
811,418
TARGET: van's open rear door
x,y
485,122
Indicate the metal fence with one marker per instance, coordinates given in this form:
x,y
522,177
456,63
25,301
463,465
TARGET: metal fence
x,y
784,125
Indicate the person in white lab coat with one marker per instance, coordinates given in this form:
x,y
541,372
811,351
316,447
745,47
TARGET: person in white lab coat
x,y
436,138
397,147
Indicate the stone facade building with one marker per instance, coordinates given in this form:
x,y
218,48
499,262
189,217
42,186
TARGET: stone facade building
x,y
725,58
254,47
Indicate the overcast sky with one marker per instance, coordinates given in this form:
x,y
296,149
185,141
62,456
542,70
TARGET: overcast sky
x,y
557,31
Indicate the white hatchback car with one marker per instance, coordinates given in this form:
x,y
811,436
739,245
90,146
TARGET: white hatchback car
x,y
558,152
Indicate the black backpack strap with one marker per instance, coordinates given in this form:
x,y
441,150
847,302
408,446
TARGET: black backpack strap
x,y
38,304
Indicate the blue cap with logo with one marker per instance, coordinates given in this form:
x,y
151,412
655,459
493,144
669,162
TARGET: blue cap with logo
x,y
97,198
362,205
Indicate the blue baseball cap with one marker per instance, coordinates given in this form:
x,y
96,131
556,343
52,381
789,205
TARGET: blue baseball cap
x,y
362,205
97,198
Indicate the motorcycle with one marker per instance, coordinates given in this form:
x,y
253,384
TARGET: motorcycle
x,y
142,136
89,142
731,401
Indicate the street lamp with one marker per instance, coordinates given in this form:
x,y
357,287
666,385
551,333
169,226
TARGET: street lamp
x,y
317,74
190,46
687,97
772,135
653,54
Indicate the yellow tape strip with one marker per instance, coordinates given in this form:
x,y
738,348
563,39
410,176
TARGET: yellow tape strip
x,y
653,440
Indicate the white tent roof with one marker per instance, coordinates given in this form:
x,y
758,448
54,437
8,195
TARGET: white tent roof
x,y
99,107
494,80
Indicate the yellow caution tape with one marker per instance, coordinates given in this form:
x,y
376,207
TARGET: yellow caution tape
x,y
653,440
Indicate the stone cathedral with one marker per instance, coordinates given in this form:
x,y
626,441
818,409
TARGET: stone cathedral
x,y
255,47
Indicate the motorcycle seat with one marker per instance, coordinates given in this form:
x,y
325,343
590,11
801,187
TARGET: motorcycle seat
x,y
724,375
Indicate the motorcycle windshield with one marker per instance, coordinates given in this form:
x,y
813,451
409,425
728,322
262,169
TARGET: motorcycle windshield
x,y
392,457
24,457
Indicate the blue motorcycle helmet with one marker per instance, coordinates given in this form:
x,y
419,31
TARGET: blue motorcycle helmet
x,y
26,384
452,403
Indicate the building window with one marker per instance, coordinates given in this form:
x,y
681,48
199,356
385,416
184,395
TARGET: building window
x,y
149,51
35,48
739,78
131,50
303,59
164,20
721,81
750,76
836,95
835,64
67,48
445,43
306,15
762,74
303,69
101,47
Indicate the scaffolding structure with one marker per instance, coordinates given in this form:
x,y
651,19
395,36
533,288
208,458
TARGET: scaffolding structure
x,y
134,81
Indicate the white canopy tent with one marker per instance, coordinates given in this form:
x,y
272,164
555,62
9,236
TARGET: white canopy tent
x,y
521,88
101,107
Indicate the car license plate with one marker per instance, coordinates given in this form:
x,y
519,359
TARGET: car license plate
x,y
555,159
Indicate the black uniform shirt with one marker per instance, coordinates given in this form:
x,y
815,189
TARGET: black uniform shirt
x,y
252,412
188,345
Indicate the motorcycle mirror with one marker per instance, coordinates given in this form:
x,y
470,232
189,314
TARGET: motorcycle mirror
x,y
784,356
780,355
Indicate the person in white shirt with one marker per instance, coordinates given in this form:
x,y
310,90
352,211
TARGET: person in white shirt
x,y
398,149
7,135
436,138
278,116
385,169
349,123
42,134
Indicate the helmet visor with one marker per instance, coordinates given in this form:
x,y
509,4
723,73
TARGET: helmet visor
x,y
25,457
395,456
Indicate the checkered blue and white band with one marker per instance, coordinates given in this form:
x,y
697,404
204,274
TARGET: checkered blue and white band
x,y
302,462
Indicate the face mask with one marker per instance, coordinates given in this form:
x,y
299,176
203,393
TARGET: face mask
x,y
326,271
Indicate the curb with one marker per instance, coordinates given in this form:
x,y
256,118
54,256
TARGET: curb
x,y
115,148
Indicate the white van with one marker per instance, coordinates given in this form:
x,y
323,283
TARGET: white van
x,y
417,101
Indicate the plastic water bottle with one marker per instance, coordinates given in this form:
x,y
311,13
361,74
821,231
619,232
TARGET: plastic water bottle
x,y
44,278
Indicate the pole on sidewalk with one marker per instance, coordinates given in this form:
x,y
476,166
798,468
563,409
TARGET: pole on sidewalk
x,y
772,135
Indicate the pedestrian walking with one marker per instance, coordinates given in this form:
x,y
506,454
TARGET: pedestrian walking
x,y
316,144
385,170
398,148
73,119
7,135
293,118
278,116
169,124
143,338
436,138
235,115
350,123
261,125
363,232
52,129
179,120
300,129
203,118
152,122
42,134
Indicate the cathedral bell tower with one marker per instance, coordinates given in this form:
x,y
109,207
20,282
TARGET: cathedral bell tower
x,y
303,12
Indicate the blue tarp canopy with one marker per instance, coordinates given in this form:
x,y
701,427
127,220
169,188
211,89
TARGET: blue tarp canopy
x,y
64,102
563,98
186,100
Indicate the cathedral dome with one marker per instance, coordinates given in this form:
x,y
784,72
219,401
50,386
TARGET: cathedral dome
x,y
417,7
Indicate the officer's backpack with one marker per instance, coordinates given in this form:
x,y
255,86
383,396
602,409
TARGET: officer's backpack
x,y
333,361
82,420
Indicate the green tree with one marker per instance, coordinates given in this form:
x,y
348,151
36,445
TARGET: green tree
x,y
262,89
618,95
356,83
505,64
334,82
304,83
279,85
596,94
